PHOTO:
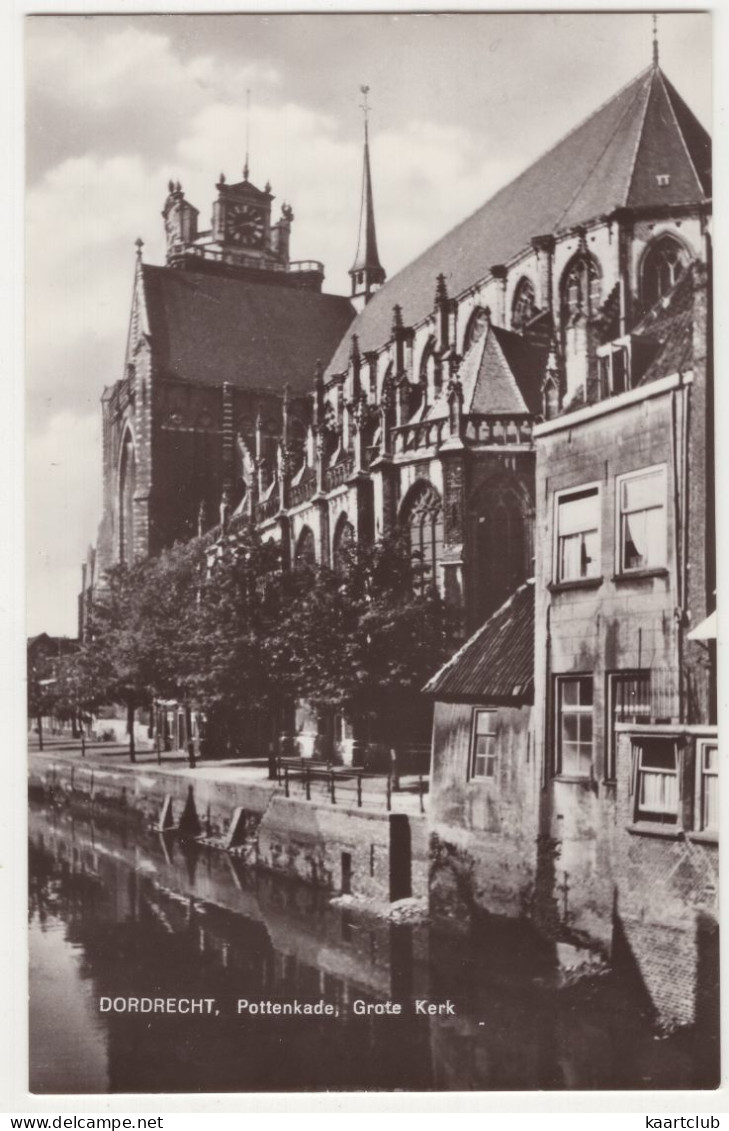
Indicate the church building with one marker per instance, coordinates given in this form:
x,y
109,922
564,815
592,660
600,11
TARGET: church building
x,y
411,403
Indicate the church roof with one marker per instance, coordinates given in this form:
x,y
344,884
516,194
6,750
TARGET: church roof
x,y
497,662
611,160
367,255
208,329
501,372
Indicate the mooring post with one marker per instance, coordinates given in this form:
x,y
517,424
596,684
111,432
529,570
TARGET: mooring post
x,y
420,791
331,788
389,793
286,780
83,742
359,791
307,782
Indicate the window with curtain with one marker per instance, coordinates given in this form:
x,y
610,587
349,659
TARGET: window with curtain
x,y
578,535
642,516
656,794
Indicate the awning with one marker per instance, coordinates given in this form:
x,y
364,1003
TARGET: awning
x,y
706,630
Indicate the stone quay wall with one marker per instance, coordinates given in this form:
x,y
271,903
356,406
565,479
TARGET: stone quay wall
x,y
330,846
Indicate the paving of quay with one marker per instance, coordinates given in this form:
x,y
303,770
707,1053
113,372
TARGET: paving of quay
x,y
406,799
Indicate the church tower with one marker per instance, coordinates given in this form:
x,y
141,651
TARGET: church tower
x,y
366,273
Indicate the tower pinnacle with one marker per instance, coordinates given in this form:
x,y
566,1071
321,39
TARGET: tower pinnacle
x,y
366,272
655,40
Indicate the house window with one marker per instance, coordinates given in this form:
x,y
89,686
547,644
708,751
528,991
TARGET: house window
x,y
578,534
657,781
642,517
483,756
629,701
574,726
708,763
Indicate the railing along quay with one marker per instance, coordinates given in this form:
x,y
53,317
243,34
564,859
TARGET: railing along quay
x,y
345,785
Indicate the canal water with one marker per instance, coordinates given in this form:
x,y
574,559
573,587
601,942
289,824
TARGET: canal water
x,y
118,915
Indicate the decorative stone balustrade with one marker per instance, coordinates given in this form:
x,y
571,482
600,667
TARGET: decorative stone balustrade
x,y
339,474
481,429
426,434
303,491
268,508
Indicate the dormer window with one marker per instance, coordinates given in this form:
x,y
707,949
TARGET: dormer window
x,y
614,365
663,179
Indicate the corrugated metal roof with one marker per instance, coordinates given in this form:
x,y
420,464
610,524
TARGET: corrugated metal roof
x,y
497,663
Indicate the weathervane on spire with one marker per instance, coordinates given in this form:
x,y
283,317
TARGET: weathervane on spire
x,y
655,40
364,104
248,133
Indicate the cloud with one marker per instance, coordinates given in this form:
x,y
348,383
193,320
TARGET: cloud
x,y
85,212
63,501
106,86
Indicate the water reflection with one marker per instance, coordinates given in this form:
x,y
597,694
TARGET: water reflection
x,y
117,916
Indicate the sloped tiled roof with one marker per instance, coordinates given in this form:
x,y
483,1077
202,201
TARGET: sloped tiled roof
x,y
670,324
208,329
500,373
497,663
611,160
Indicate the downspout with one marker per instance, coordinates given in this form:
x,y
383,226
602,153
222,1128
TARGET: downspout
x,y
680,509
547,673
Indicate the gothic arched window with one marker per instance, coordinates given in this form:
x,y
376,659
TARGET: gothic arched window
x,y
581,288
431,373
127,487
422,515
305,548
297,442
523,307
476,328
663,266
342,544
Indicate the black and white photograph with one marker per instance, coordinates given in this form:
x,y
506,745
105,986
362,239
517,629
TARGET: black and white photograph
x,y
371,551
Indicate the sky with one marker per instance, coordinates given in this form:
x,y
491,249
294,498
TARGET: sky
x,y
118,105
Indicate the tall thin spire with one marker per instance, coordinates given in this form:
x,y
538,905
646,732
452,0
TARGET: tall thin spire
x,y
655,40
248,133
367,271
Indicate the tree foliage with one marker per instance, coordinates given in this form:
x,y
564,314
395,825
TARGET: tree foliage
x,y
231,632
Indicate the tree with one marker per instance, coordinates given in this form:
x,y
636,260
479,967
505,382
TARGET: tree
x,y
360,640
226,663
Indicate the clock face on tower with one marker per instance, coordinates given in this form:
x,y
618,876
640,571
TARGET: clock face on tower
x,y
245,225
